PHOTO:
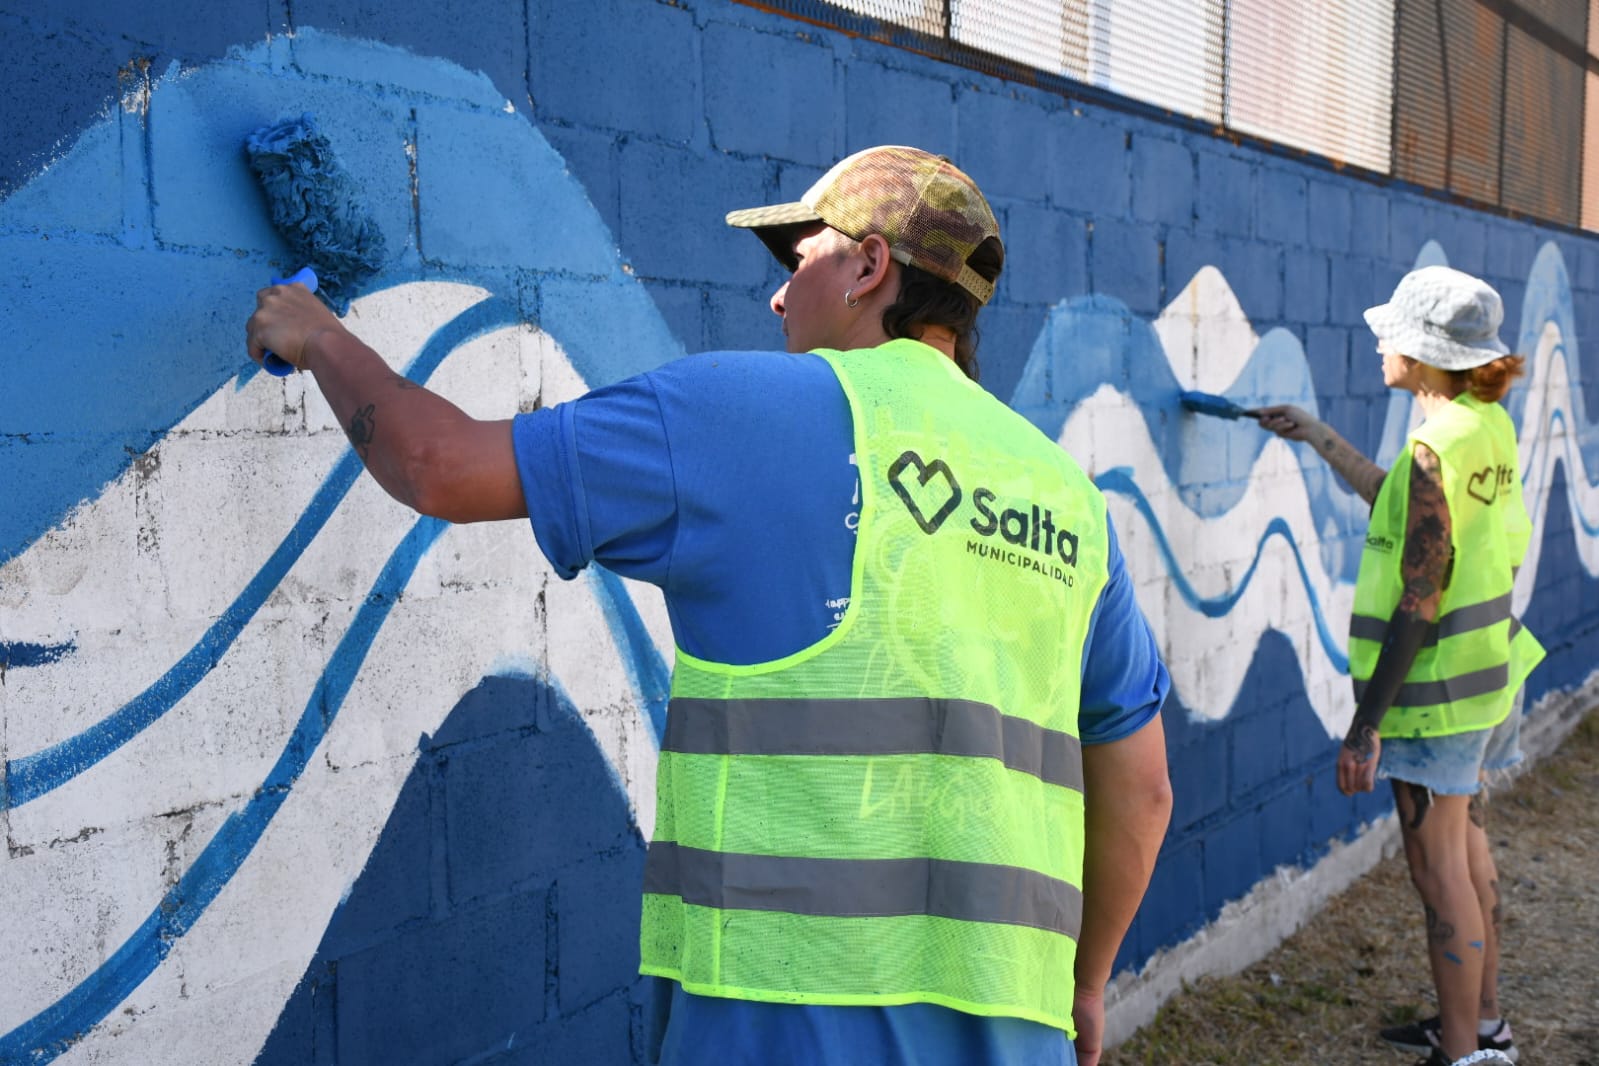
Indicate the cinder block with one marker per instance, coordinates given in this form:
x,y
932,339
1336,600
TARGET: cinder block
x,y
447,991
1124,262
741,320
1282,821
1281,199
645,78
683,308
1351,290
1004,143
1046,254
1225,194
533,775
1304,286
1255,752
591,158
750,105
597,904
1510,249
1368,231
687,238
1163,181
1232,857
1408,228
883,105
1465,239
599,1035
506,163
1090,166
1331,209
1327,353
1008,334
1201,775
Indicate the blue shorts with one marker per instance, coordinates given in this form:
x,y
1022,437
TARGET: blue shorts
x,y
1454,765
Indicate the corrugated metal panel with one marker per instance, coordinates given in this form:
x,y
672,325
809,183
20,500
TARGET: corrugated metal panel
x,y
1448,96
1543,131
1487,99
1314,76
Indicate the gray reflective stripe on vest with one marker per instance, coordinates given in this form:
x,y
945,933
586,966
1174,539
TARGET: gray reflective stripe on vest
x,y
863,888
1461,620
1447,689
909,726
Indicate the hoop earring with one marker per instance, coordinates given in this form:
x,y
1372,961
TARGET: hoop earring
x,y
847,301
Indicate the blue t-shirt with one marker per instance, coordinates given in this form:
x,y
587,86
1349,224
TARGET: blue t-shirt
x,y
728,479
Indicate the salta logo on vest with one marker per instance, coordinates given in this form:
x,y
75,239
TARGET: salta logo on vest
x,y
1489,483
932,494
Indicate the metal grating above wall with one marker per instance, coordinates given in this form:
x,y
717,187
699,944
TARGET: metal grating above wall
x,y
1483,99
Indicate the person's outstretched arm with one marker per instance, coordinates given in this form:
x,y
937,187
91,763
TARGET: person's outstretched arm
x,y
425,452
1127,803
1424,568
1294,423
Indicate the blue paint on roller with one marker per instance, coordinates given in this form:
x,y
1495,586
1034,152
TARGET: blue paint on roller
x,y
1205,403
316,209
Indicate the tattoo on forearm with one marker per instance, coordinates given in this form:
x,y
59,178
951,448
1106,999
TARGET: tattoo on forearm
x,y
1420,803
1363,475
362,427
1360,739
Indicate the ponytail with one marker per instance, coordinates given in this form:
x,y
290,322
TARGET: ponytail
x,y
1489,382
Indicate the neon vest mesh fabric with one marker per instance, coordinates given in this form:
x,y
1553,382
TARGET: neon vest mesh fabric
x,y
894,814
1476,655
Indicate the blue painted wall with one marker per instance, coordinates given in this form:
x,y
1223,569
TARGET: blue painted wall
x,y
573,162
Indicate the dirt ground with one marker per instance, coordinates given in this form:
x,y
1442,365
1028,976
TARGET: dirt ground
x,y
1361,963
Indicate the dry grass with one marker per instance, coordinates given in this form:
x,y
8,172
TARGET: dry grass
x,y
1361,963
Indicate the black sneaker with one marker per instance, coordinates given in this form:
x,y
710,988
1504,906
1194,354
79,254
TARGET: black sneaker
x,y
1422,1037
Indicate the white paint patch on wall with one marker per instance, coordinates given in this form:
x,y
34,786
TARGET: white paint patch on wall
x,y
135,577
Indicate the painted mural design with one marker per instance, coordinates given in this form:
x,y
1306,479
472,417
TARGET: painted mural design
x,y
224,644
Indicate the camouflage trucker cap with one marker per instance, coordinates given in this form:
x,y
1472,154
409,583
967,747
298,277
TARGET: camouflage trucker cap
x,y
932,215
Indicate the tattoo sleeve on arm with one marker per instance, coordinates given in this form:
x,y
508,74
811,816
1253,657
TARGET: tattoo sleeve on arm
x,y
1428,555
1424,568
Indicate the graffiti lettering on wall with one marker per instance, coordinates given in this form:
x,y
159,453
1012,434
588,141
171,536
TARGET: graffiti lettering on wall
x,y
230,664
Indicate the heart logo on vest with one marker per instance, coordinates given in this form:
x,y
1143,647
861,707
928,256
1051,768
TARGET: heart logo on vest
x,y
1482,485
949,491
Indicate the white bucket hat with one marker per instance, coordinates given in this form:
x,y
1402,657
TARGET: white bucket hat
x,y
1441,317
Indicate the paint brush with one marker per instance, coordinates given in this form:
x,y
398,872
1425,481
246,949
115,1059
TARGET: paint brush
x,y
316,208
1206,403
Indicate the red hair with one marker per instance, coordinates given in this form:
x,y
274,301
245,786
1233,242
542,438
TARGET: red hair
x,y
1490,381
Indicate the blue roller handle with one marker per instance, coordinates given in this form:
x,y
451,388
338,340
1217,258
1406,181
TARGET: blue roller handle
x,y
272,364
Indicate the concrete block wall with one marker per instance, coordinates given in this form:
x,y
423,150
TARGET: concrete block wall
x,y
292,776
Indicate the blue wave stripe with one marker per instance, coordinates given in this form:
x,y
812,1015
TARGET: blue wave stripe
x,y
14,654
31,776
1120,481
56,1028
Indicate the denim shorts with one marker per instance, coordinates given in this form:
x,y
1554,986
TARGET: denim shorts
x,y
1454,765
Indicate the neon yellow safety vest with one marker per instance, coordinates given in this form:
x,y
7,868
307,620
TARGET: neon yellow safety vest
x,y
1476,655
895,813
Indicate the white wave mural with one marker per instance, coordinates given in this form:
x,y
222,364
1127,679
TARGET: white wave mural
x,y
223,657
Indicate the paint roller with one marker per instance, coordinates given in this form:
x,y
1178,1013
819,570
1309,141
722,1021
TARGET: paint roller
x,y
1206,403
316,209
